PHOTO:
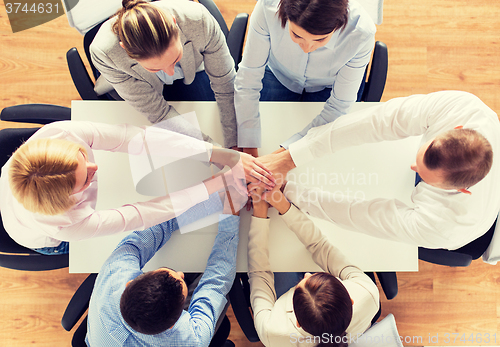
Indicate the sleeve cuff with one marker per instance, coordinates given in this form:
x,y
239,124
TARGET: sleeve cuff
x,y
300,152
189,197
229,223
289,215
259,224
291,140
249,138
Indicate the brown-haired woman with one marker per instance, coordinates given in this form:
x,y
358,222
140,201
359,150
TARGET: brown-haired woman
x,y
323,309
301,50
166,50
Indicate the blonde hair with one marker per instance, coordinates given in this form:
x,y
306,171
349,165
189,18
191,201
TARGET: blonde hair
x,y
42,175
144,30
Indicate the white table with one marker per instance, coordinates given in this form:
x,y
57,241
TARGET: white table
x,y
374,170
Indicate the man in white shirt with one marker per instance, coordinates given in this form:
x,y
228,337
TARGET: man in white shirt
x,y
449,210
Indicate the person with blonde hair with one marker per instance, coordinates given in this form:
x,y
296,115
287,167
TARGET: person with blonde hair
x,y
44,170
48,188
169,50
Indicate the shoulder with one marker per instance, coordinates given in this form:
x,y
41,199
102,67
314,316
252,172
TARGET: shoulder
x,y
105,39
359,20
184,11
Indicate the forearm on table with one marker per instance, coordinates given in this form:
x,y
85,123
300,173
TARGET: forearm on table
x,y
388,219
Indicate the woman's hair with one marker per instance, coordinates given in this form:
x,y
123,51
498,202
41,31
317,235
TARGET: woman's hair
x,y
144,30
42,175
323,306
317,17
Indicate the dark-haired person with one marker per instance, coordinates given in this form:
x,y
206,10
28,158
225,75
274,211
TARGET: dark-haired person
x,y
455,203
169,50
323,308
132,308
301,50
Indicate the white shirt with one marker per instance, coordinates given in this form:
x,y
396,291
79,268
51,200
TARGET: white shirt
x,y
275,319
438,218
34,230
339,65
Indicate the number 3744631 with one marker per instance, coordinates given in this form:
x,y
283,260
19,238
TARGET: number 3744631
x,y
20,7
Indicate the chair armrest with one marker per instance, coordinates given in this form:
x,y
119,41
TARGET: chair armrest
x,y
444,257
236,37
375,85
35,113
78,303
241,310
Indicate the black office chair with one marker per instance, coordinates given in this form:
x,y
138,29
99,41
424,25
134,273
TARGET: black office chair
x,y
79,74
13,255
79,304
374,87
460,257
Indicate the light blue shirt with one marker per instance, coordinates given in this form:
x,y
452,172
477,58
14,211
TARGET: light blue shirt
x,y
339,65
195,327
178,74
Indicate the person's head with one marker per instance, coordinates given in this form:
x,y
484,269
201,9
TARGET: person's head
x,y
45,173
313,22
153,301
456,159
323,305
149,35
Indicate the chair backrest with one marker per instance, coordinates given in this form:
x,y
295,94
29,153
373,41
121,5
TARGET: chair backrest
x,y
214,11
235,37
492,253
87,41
381,334
13,255
374,87
80,76
463,256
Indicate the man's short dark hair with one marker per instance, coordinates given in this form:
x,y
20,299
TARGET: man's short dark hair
x,y
152,302
464,155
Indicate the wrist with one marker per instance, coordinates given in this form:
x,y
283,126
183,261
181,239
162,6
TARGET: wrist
x,y
283,206
260,210
286,160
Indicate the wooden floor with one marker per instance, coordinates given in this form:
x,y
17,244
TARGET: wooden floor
x,y
433,45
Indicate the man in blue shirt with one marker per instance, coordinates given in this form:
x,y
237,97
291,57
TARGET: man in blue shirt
x,y
132,308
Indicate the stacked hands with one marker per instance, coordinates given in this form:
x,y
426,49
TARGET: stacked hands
x,y
247,179
266,178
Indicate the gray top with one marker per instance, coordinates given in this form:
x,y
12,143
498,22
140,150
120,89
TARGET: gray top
x,y
203,42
